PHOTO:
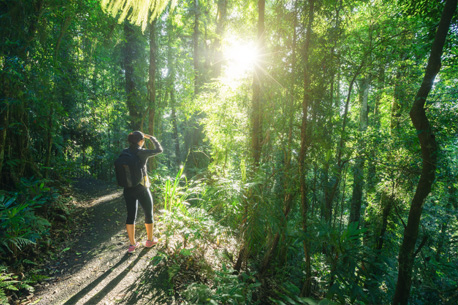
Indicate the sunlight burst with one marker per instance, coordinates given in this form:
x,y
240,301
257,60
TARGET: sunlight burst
x,y
240,59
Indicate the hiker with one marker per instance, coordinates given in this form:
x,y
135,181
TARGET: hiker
x,y
140,192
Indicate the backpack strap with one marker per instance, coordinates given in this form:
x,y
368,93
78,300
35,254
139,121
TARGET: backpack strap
x,y
134,153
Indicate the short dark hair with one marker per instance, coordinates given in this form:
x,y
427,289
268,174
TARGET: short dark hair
x,y
135,137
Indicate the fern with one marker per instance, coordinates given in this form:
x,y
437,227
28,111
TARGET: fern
x,y
8,281
18,242
19,224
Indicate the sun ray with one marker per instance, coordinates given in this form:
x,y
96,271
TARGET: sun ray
x,y
240,58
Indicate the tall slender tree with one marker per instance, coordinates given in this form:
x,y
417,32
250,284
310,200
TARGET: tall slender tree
x,y
132,57
358,169
195,43
306,101
256,102
429,156
221,20
171,78
152,77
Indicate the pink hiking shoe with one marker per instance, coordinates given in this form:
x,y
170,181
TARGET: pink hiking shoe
x,y
150,243
133,247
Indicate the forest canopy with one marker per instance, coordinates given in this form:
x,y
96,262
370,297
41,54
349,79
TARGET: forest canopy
x,y
323,135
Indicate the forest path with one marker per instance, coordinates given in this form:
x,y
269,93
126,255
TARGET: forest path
x,y
94,267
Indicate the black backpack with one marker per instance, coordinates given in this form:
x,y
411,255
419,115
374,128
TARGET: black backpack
x,y
128,169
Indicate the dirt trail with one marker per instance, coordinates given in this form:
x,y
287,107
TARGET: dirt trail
x,y
95,267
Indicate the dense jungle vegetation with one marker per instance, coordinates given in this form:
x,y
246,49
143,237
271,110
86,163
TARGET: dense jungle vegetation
x,y
320,134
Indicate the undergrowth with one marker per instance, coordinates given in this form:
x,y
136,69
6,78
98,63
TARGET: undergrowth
x,y
27,219
200,223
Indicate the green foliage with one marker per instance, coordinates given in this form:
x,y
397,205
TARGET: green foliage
x,y
26,215
223,199
226,288
348,266
174,194
195,227
20,224
9,282
289,295
190,233
139,12
64,115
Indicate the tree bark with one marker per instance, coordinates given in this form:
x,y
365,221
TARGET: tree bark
x,y
256,126
195,41
358,170
288,197
429,150
221,18
171,86
451,204
175,129
63,29
256,108
306,288
4,122
18,24
387,201
152,78
331,189
49,141
132,94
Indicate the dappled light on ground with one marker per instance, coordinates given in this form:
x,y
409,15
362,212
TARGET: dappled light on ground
x,y
95,267
106,198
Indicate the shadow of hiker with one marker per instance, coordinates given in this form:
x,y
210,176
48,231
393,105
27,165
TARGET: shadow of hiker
x,y
152,286
112,284
95,225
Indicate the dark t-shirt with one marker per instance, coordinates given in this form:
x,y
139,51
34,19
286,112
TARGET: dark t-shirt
x,y
145,154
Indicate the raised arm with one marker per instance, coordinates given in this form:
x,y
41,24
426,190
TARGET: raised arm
x,y
144,154
157,146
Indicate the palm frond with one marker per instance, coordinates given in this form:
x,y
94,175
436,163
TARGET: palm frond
x,y
138,12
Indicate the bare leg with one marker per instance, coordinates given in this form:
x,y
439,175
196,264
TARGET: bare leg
x,y
131,233
149,231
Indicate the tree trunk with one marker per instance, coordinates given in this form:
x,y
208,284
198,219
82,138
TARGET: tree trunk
x,y
256,108
171,86
4,122
152,78
63,29
256,126
306,288
49,142
358,170
429,150
440,243
453,198
331,189
451,204
288,197
221,18
151,86
399,99
195,41
21,18
387,201
371,166
132,94
175,129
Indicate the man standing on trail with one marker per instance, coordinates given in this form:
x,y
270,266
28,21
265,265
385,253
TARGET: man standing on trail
x,y
141,192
